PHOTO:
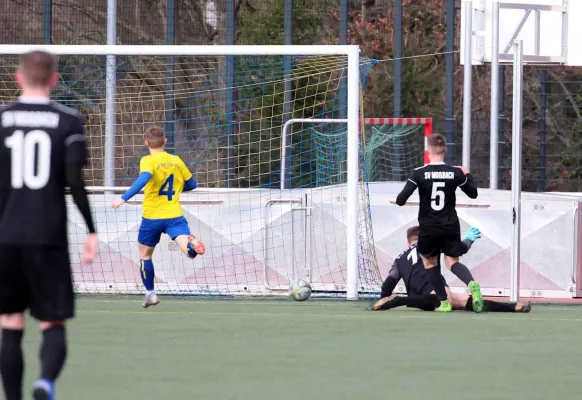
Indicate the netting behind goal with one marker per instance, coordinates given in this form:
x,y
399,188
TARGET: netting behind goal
x,y
389,149
225,116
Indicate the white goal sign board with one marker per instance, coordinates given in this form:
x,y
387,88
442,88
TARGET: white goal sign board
x,y
550,30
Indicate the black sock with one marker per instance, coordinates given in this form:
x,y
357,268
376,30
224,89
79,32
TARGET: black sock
x,y
12,363
395,302
492,306
427,302
53,352
462,272
436,280
498,306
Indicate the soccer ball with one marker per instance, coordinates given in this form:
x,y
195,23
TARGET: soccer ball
x,y
300,290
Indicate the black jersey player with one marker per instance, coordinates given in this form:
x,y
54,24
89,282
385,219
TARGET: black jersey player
x,y
42,151
440,230
409,268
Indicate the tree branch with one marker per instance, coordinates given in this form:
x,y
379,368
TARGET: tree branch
x,y
568,94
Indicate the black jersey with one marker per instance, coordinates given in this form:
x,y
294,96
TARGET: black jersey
x,y
411,269
38,138
408,266
437,184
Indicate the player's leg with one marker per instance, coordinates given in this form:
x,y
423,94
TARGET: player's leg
x,y
424,299
429,248
433,274
148,237
189,244
148,275
500,306
429,301
459,269
458,300
426,302
11,356
53,354
463,273
454,249
49,278
420,296
14,299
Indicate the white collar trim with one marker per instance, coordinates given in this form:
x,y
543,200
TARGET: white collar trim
x,y
34,100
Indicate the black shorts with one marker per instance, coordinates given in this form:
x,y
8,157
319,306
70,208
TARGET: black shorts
x,y
431,245
36,278
424,288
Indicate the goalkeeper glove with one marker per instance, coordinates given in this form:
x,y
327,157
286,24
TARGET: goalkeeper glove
x,y
472,234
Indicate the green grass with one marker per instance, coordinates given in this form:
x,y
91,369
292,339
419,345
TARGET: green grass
x,y
278,350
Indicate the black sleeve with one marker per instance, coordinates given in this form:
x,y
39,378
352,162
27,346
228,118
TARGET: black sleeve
x,y
467,243
469,187
75,147
391,281
77,186
409,188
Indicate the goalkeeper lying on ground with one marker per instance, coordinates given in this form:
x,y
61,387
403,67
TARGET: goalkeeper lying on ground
x,y
408,267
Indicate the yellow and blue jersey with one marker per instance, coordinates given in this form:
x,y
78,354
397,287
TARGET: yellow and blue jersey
x,y
162,192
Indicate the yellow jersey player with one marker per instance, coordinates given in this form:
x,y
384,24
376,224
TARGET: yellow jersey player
x,y
164,177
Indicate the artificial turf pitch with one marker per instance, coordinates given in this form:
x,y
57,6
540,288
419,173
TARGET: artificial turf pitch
x,y
277,350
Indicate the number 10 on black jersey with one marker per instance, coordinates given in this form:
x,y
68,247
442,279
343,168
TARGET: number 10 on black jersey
x,y
30,159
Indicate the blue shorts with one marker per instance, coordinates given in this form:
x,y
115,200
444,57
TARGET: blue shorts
x,y
151,230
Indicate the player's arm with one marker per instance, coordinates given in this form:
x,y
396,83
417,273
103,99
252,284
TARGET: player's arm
x,y
409,188
467,185
76,185
391,281
190,184
76,159
137,186
470,237
146,173
189,181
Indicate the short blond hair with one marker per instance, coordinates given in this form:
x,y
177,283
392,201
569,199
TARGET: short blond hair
x,y
38,67
155,137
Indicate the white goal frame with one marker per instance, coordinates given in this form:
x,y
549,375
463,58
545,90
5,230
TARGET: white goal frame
x,y
353,104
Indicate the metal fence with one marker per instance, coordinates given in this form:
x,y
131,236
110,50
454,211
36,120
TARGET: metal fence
x,y
418,41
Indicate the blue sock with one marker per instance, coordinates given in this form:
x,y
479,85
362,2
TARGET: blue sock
x,y
46,387
191,252
146,271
